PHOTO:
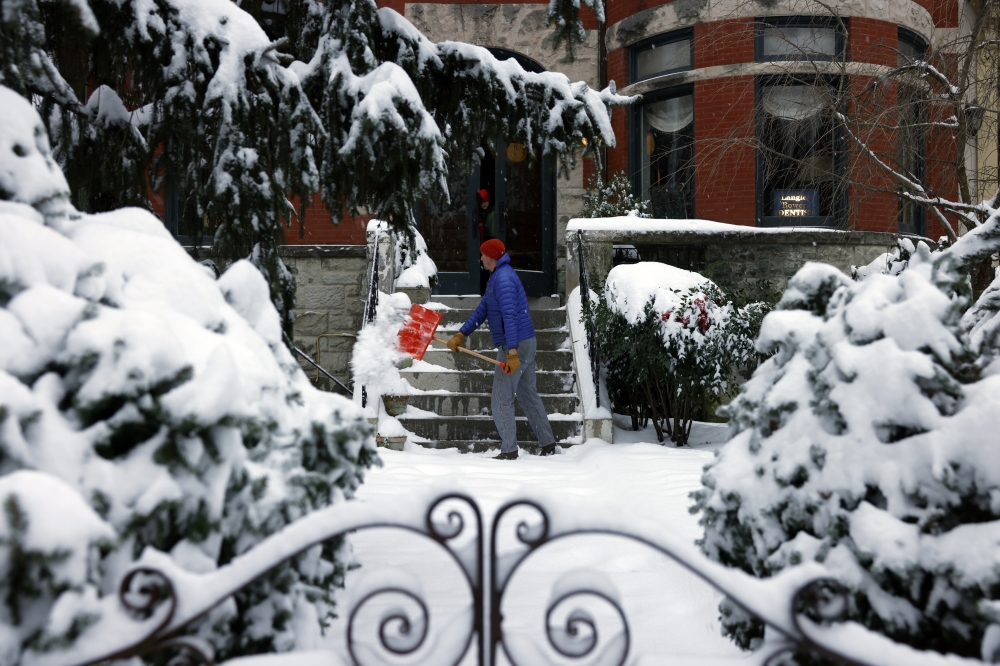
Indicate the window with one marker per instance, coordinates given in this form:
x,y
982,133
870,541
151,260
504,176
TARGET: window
x,y
663,146
798,38
911,47
663,54
911,138
797,159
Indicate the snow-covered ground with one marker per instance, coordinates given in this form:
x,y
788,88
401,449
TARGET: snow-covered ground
x,y
670,611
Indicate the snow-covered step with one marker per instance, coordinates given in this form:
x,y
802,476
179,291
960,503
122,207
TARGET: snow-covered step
x,y
540,319
548,340
470,302
482,445
481,381
544,360
451,405
444,428
479,404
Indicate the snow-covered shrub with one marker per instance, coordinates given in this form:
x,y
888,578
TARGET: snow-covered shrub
x,y
868,442
613,198
146,405
671,343
413,266
887,263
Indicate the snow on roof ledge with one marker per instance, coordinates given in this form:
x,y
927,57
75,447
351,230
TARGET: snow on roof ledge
x,y
630,224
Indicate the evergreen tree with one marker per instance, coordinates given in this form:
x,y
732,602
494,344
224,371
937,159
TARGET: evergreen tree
x,y
352,101
613,198
865,442
145,404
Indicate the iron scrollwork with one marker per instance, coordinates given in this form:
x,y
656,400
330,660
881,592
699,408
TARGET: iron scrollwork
x,y
584,622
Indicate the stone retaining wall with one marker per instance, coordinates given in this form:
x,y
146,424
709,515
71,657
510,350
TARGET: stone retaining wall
x,y
732,255
332,286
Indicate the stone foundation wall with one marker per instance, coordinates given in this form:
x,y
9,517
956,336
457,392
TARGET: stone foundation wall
x,y
330,301
743,255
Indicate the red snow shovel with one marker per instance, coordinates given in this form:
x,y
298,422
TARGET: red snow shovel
x,y
418,331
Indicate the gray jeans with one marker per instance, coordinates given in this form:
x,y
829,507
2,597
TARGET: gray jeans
x,y
520,384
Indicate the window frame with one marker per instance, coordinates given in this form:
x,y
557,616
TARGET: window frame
x,y
636,140
838,220
653,42
761,24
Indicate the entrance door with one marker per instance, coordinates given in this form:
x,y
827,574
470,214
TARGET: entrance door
x,y
452,242
525,210
522,195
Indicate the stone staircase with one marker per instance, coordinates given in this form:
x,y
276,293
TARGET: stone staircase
x,y
450,402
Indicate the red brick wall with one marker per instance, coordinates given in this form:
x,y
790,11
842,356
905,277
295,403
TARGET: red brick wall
x,y
944,12
723,42
319,229
724,169
873,41
618,72
872,207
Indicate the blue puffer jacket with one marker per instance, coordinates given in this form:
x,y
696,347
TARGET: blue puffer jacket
x,y
505,305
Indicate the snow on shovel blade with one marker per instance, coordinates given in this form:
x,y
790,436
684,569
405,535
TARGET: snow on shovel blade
x,y
417,331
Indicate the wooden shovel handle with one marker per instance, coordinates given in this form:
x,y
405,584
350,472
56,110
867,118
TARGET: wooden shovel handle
x,y
471,353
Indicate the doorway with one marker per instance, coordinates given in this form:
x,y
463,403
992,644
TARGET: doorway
x,y
522,192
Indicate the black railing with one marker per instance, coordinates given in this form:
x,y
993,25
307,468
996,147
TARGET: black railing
x,y
160,604
593,347
371,304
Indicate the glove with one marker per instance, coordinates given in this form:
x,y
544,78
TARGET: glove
x,y
455,342
513,362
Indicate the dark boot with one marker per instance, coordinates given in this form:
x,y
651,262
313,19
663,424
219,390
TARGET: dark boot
x,y
549,450
510,455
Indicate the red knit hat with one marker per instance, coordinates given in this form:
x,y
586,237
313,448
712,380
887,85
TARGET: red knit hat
x,y
493,248
483,195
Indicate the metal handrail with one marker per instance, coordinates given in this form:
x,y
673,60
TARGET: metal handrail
x,y
295,348
371,303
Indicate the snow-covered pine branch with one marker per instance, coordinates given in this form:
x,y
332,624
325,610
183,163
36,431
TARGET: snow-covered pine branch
x,y
391,99
145,404
863,443
565,15
354,101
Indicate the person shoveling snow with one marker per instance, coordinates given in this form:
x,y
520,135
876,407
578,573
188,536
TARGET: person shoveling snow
x,y
505,306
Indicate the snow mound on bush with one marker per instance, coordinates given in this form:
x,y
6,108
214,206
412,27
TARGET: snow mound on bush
x,y
867,442
157,408
630,287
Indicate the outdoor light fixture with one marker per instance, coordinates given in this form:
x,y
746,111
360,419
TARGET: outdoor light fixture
x,y
973,118
516,153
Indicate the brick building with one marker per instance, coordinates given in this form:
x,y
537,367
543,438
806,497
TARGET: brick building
x,y
735,124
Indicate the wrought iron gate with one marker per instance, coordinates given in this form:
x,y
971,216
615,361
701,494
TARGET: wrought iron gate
x,y
158,601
